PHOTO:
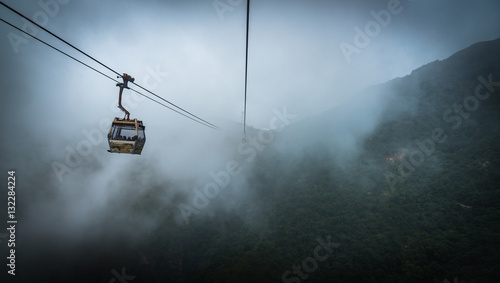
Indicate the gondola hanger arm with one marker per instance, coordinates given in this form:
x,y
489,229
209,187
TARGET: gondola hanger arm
x,y
126,78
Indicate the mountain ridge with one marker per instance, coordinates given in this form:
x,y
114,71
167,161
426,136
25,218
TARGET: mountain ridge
x,y
402,95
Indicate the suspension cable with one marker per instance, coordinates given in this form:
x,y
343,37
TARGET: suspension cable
x,y
33,22
198,119
210,124
246,72
58,50
90,67
178,112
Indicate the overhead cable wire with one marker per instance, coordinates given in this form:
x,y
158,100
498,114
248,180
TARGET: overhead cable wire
x,y
208,124
58,50
246,72
212,125
94,69
198,119
35,23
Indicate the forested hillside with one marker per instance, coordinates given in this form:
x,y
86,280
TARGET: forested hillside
x,y
415,198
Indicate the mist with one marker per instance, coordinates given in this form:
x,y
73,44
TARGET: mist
x,y
305,92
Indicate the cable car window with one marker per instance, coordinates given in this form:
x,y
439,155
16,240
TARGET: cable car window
x,y
123,132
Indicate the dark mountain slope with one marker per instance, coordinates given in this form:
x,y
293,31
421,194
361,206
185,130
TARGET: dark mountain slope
x,y
375,176
412,198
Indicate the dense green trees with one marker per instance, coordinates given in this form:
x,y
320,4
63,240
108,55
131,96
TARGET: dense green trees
x,y
438,222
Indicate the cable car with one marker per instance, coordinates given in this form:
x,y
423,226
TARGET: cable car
x,y
126,135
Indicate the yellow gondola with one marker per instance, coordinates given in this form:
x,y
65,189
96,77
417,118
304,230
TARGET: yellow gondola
x,y
125,135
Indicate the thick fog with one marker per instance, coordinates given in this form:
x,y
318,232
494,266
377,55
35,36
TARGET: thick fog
x,y
305,58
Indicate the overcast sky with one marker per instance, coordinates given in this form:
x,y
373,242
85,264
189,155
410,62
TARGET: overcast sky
x,y
295,54
306,56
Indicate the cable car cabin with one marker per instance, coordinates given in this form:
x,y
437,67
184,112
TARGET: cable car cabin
x,y
126,136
